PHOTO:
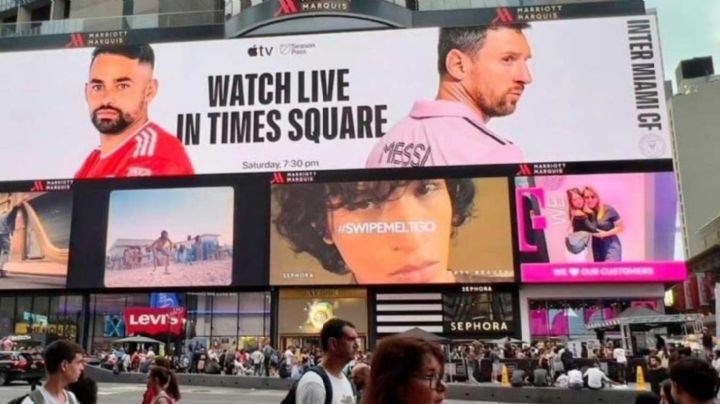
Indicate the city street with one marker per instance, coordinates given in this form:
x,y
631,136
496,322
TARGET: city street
x,y
114,393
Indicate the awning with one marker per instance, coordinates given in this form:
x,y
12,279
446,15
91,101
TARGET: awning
x,y
647,320
137,340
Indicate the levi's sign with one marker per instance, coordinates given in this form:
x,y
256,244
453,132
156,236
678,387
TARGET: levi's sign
x,y
154,321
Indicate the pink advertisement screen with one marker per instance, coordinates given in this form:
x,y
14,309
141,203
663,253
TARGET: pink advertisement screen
x,y
599,228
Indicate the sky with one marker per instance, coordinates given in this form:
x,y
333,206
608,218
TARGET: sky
x,y
143,214
688,28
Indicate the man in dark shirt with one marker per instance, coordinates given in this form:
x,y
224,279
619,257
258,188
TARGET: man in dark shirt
x,y
541,378
518,378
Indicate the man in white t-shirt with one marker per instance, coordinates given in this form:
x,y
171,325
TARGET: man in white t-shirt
x,y
575,379
621,359
289,356
338,340
64,364
596,377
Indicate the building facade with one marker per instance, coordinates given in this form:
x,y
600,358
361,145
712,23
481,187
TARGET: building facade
x,y
245,265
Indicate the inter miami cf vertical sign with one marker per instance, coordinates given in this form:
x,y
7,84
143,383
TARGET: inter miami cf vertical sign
x,y
289,7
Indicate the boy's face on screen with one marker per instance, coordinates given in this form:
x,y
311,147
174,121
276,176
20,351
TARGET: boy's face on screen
x,y
404,239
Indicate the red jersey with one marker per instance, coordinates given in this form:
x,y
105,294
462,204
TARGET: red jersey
x,y
149,152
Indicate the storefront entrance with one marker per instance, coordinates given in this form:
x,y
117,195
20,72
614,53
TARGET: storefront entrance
x,y
304,341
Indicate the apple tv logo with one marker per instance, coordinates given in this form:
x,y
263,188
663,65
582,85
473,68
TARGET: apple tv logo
x,y
255,51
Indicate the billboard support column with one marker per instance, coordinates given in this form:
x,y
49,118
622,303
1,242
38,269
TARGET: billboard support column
x,y
87,316
128,6
57,9
24,15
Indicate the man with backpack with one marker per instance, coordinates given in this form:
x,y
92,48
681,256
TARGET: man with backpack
x,y
326,383
268,354
64,363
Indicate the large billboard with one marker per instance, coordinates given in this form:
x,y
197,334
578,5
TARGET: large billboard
x,y
599,228
573,90
455,230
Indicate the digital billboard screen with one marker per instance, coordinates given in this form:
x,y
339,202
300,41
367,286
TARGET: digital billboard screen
x,y
620,227
391,232
190,232
162,237
473,96
34,239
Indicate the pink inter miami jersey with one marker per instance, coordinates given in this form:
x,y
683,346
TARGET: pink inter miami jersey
x,y
150,152
440,133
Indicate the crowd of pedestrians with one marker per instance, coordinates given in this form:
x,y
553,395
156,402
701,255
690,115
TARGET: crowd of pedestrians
x,y
400,370
259,362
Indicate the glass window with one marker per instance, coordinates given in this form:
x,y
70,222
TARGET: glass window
x,y
105,309
24,305
7,315
254,319
41,305
225,319
568,319
65,318
217,320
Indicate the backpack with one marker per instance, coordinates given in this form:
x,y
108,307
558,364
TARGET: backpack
x,y
37,398
290,398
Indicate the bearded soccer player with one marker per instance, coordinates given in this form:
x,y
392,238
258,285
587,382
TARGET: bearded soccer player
x,y
119,90
483,73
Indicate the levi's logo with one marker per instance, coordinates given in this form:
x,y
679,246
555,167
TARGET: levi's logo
x,y
152,319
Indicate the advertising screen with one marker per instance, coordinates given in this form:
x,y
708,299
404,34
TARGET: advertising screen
x,y
159,233
391,232
304,311
160,236
34,239
599,228
477,313
431,97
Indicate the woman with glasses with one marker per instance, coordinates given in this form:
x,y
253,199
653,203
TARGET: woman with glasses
x,y
605,242
406,370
